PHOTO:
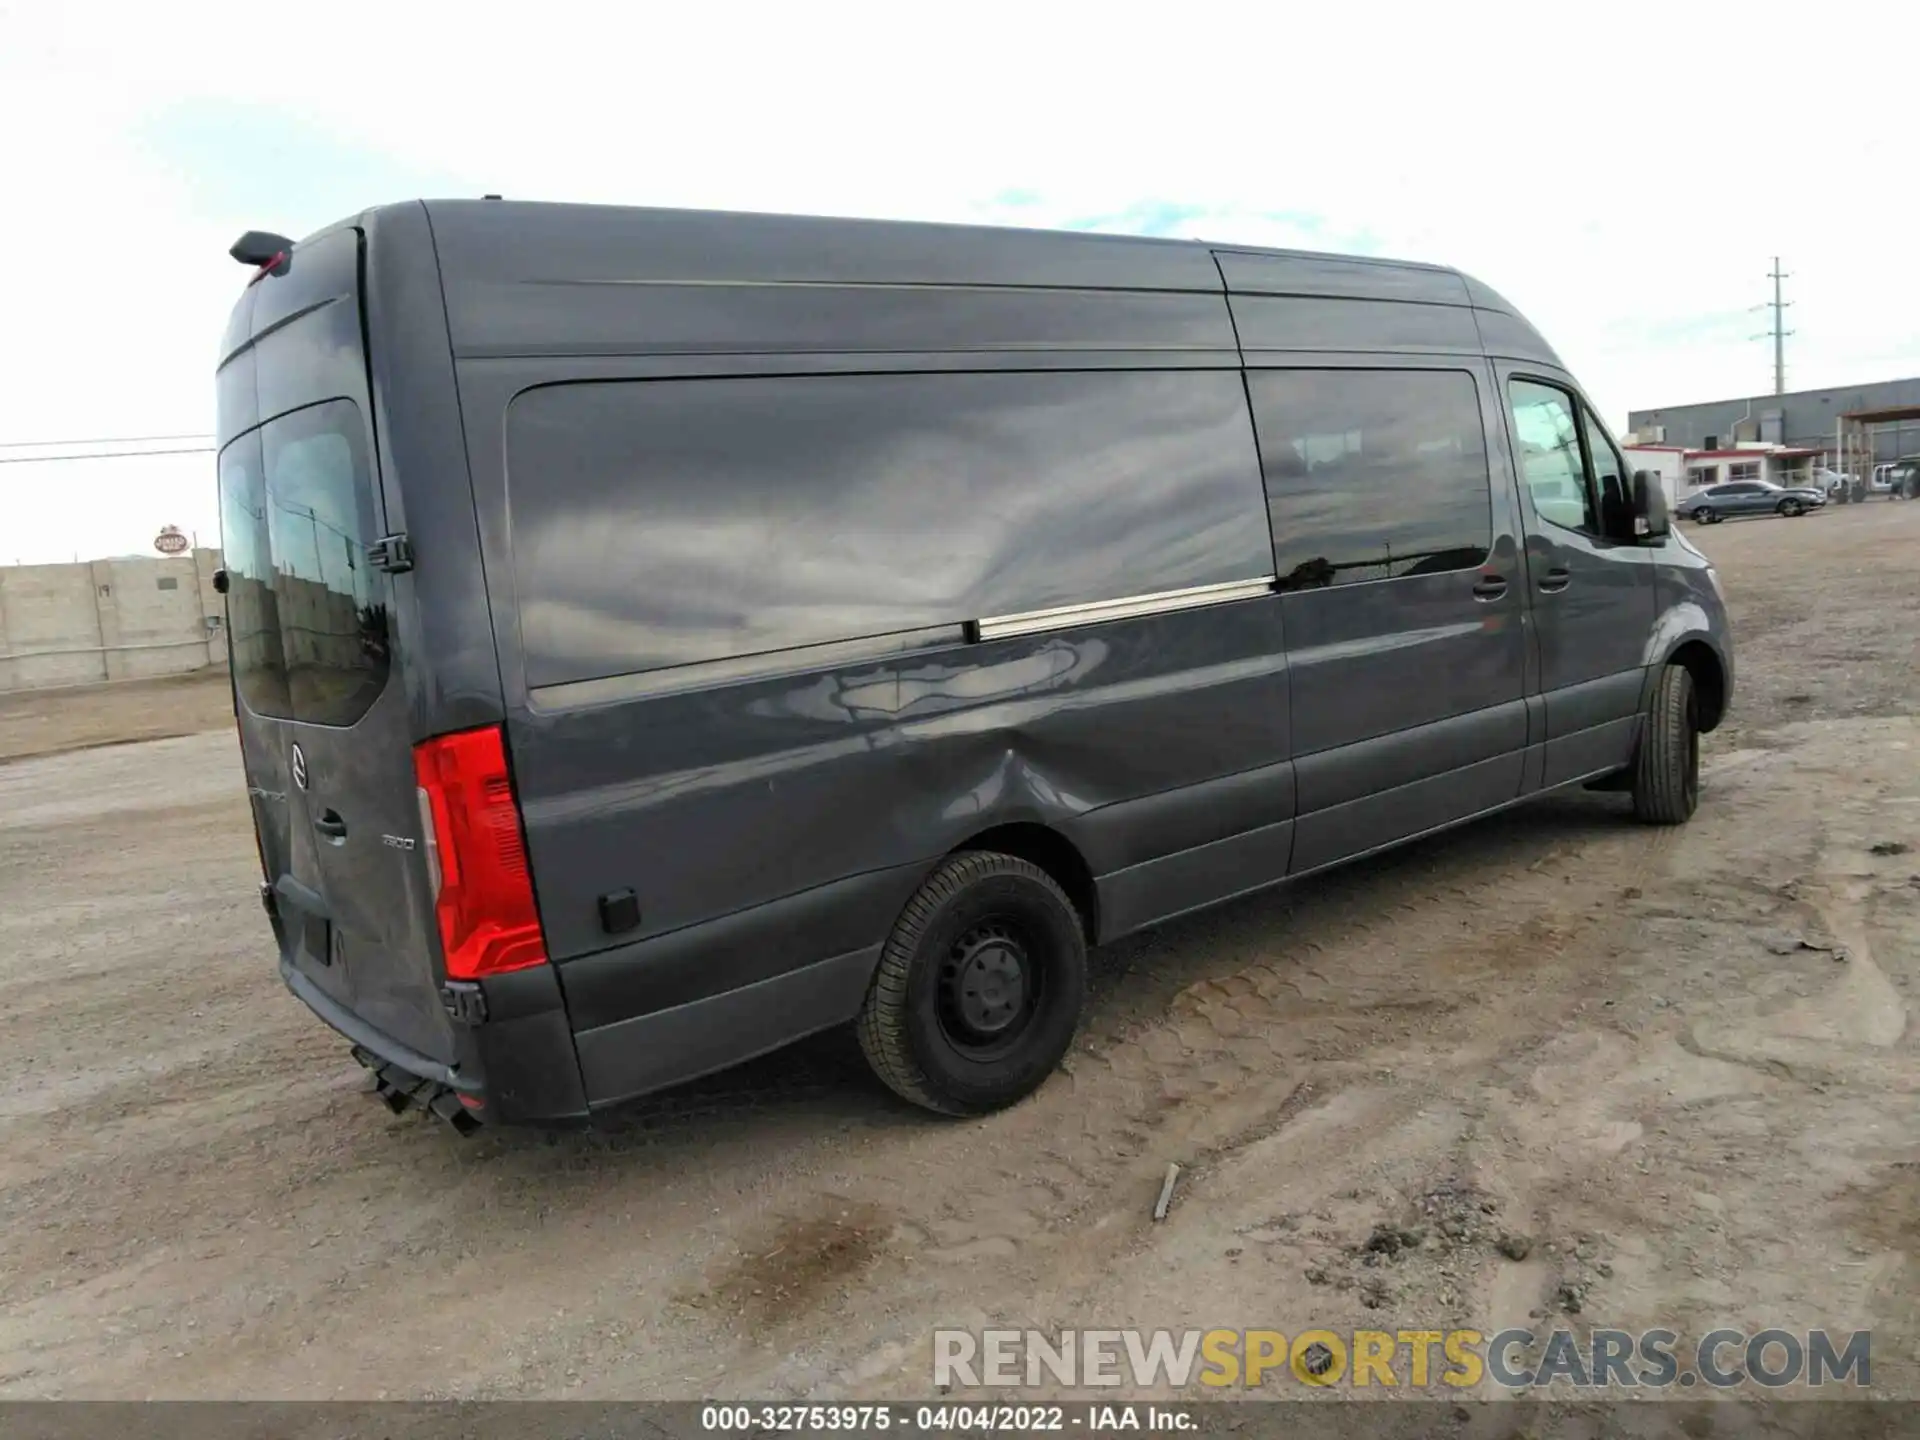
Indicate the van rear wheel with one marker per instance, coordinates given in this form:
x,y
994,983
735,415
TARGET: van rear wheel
x,y
1666,772
978,992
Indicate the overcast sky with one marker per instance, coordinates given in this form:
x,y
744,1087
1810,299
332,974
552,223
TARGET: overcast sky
x,y
1624,173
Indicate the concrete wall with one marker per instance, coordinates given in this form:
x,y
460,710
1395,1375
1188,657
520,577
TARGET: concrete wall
x,y
109,620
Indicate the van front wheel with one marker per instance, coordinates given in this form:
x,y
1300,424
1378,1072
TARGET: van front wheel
x,y
978,992
1666,772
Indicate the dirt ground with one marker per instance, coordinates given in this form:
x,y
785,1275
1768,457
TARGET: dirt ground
x,y
48,722
1554,1026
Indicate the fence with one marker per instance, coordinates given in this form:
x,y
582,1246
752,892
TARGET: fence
x,y
109,620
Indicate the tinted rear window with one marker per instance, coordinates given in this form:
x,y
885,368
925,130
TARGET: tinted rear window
x,y
1372,474
669,522
306,614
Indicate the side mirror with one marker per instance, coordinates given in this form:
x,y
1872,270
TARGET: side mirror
x,y
221,583
1652,516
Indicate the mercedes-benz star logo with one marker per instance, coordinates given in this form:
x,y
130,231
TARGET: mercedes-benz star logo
x,y
299,766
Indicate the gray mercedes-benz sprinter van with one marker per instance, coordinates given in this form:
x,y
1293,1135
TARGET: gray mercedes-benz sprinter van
x,y
657,636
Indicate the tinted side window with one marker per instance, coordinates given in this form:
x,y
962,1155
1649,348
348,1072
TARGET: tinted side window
x,y
253,613
306,614
669,522
1609,475
1372,474
1547,434
333,617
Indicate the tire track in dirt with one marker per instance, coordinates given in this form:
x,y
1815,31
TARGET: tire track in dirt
x,y
1584,1182
1238,1055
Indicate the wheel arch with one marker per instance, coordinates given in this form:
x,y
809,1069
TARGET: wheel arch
x,y
1054,853
1708,671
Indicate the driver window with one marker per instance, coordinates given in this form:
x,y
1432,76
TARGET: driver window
x,y
1609,478
1548,436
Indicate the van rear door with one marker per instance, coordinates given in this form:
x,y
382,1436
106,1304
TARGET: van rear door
x,y
323,719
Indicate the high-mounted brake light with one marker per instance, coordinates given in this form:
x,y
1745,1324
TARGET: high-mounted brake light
x,y
262,249
476,856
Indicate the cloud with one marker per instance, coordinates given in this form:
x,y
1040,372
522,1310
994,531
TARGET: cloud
x,y
1144,217
244,165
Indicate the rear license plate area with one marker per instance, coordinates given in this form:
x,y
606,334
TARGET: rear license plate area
x,y
314,938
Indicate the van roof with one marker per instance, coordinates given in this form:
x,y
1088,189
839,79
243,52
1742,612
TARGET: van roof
x,y
489,249
564,242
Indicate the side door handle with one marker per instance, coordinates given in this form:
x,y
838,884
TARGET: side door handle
x,y
329,824
1489,587
1555,580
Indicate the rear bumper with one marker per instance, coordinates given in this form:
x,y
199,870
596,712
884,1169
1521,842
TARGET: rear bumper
x,y
375,1042
517,1066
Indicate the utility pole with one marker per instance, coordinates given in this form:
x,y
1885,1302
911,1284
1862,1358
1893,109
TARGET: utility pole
x,y
1779,332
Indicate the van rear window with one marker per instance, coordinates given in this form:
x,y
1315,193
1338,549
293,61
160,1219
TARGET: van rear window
x,y
671,522
306,614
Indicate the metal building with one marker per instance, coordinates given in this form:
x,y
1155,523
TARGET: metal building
x,y
1809,418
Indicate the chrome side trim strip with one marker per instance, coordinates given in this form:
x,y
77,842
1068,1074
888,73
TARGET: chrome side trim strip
x,y
1129,607
800,659
734,669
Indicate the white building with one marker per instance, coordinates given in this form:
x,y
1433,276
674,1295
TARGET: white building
x,y
1684,471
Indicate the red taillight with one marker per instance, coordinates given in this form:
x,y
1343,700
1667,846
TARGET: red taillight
x,y
483,893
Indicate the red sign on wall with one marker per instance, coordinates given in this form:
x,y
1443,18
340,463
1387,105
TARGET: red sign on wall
x,y
171,541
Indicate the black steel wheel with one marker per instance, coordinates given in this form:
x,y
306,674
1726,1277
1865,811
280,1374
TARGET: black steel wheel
x,y
978,992
988,988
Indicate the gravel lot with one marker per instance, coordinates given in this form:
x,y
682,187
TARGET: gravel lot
x,y
1554,1025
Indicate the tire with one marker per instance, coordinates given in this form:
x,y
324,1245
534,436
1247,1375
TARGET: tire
x,y
1704,515
1792,509
961,1050
1666,771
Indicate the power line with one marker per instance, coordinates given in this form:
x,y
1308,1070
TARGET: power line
x,y
102,455
103,440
